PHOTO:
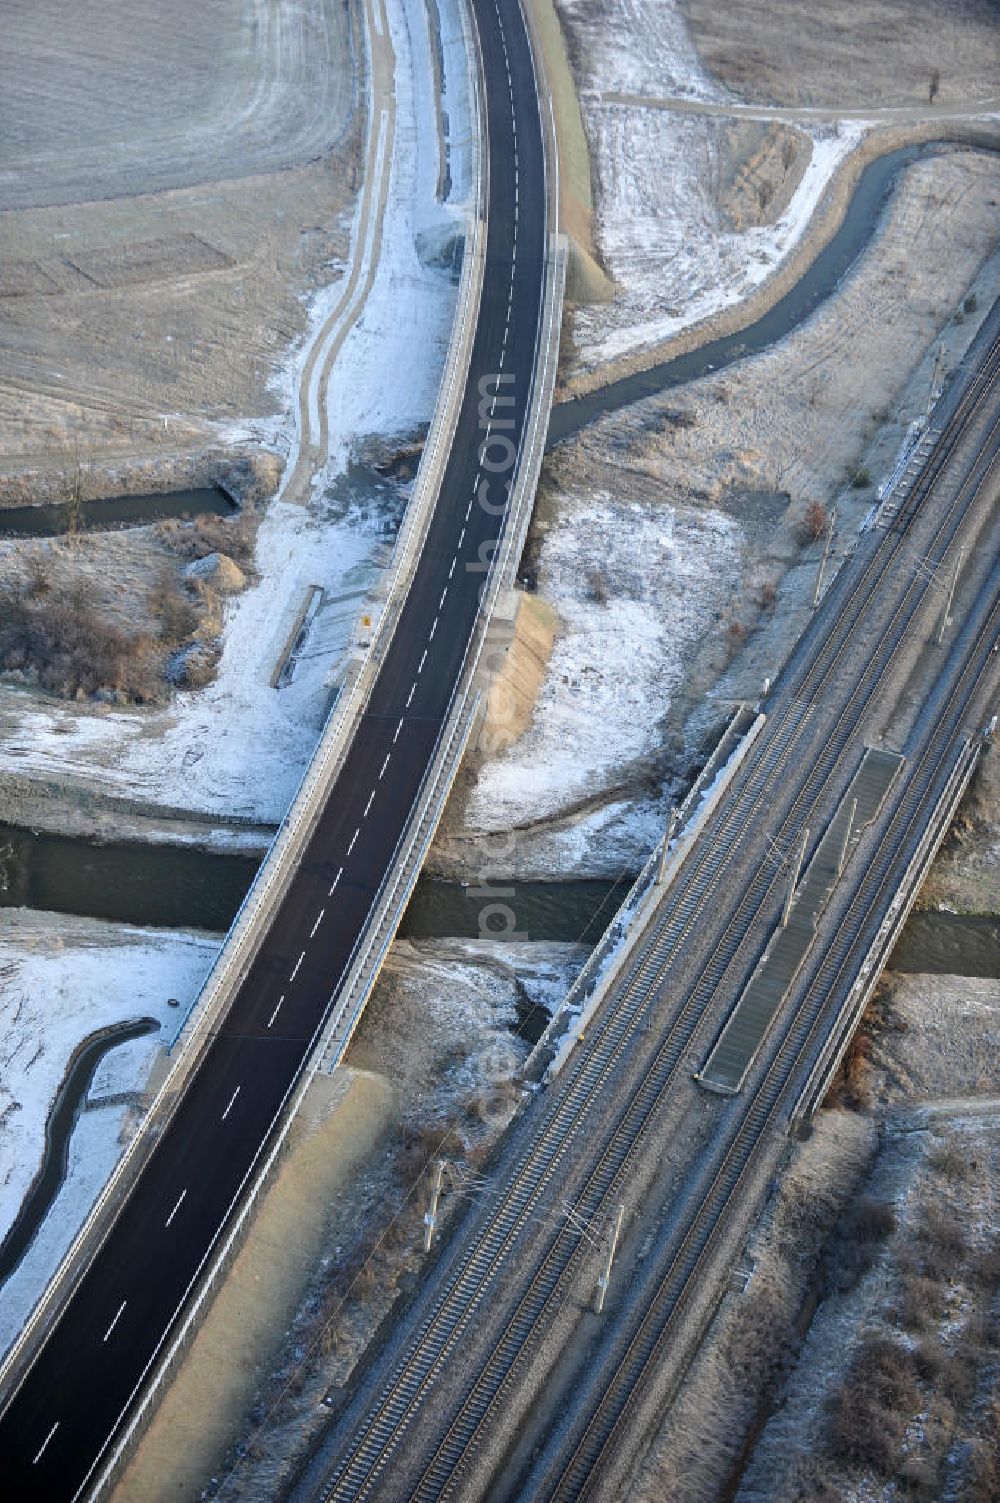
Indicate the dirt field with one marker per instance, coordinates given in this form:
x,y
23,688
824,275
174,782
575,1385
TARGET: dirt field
x,y
171,184
852,53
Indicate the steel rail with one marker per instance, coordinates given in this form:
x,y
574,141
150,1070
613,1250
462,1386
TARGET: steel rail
x,y
611,1168
397,1402
837,965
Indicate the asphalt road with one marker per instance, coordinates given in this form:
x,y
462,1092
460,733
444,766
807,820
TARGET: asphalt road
x,y
57,1428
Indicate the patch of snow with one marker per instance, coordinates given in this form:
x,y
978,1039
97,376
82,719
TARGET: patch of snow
x,y
641,47
616,665
389,369
62,980
239,746
658,226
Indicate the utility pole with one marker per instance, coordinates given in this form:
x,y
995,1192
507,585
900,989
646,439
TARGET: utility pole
x,y
602,1282
799,858
826,554
933,394
430,1216
946,613
661,870
847,836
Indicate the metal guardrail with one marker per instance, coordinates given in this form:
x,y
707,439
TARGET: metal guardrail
x,y
389,906
618,944
262,900
843,1026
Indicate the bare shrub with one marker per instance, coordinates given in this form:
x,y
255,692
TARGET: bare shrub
x,y
807,1483
597,586
233,535
767,594
863,1228
851,1086
814,523
874,1404
173,607
948,1160
921,1300
940,1241
72,650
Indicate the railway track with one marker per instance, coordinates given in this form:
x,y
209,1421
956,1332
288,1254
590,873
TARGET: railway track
x,y
467,1283
835,972
604,1183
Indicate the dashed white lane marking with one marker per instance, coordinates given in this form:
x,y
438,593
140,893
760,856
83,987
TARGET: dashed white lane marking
x,y
506,331
423,659
434,627
117,1317
444,592
230,1104
319,919
385,764
371,797
461,537
353,839
502,355
333,885
41,1449
277,1009
398,729
409,697
173,1213
295,969
451,570
468,511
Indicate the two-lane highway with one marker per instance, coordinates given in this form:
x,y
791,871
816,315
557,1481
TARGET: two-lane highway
x,y
56,1431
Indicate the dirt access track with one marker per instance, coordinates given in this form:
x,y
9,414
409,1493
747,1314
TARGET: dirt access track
x,y
162,224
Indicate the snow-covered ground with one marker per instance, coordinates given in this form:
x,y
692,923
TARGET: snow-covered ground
x,y
658,225
61,980
239,746
635,589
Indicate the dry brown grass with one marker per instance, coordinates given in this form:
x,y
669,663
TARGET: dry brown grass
x,y
877,1399
233,535
68,647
